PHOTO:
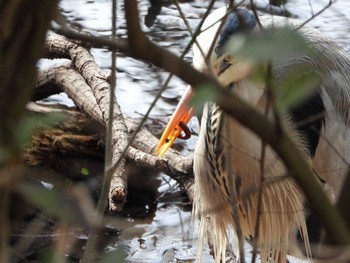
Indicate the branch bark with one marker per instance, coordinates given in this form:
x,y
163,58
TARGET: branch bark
x,y
85,65
82,138
63,78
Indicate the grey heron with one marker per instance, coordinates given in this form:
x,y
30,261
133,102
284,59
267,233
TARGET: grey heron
x,y
227,156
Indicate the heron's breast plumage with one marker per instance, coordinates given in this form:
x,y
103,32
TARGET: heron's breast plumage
x,y
227,174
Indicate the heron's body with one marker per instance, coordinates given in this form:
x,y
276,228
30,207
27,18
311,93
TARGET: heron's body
x,y
235,154
233,160
227,159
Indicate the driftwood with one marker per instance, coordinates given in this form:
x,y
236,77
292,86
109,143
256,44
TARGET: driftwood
x,y
87,85
97,80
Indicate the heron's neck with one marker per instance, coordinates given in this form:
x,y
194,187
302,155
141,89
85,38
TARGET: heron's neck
x,y
251,92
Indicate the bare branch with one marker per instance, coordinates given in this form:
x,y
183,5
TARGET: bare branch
x,y
66,79
97,80
173,164
93,40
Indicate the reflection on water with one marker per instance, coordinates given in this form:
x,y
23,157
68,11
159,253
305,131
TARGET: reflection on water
x,y
166,234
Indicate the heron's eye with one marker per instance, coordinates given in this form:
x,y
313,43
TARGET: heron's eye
x,y
227,58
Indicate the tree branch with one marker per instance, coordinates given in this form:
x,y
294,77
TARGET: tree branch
x,y
67,79
280,142
85,65
79,136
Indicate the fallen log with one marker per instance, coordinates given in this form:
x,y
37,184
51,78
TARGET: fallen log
x,y
78,143
87,85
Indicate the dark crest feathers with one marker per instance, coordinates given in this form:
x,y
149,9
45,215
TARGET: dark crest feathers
x,y
239,20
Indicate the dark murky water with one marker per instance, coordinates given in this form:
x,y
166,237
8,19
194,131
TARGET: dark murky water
x,y
166,234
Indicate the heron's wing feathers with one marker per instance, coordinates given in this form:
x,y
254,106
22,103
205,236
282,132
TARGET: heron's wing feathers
x,y
332,62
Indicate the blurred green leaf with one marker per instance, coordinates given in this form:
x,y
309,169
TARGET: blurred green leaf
x,y
278,45
84,171
203,94
258,74
114,256
4,154
58,203
46,255
270,43
36,122
295,88
28,125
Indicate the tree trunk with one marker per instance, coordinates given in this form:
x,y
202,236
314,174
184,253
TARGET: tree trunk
x,y
23,27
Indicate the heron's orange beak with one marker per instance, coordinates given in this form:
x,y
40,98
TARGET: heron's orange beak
x,y
181,116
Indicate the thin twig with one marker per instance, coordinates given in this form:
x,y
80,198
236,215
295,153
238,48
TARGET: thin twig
x,y
158,95
332,147
108,174
317,14
269,99
198,31
109,134
94,40
253,8
234,203
193,35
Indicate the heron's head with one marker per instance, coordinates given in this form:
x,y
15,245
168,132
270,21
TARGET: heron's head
x,y
212,53
227,66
